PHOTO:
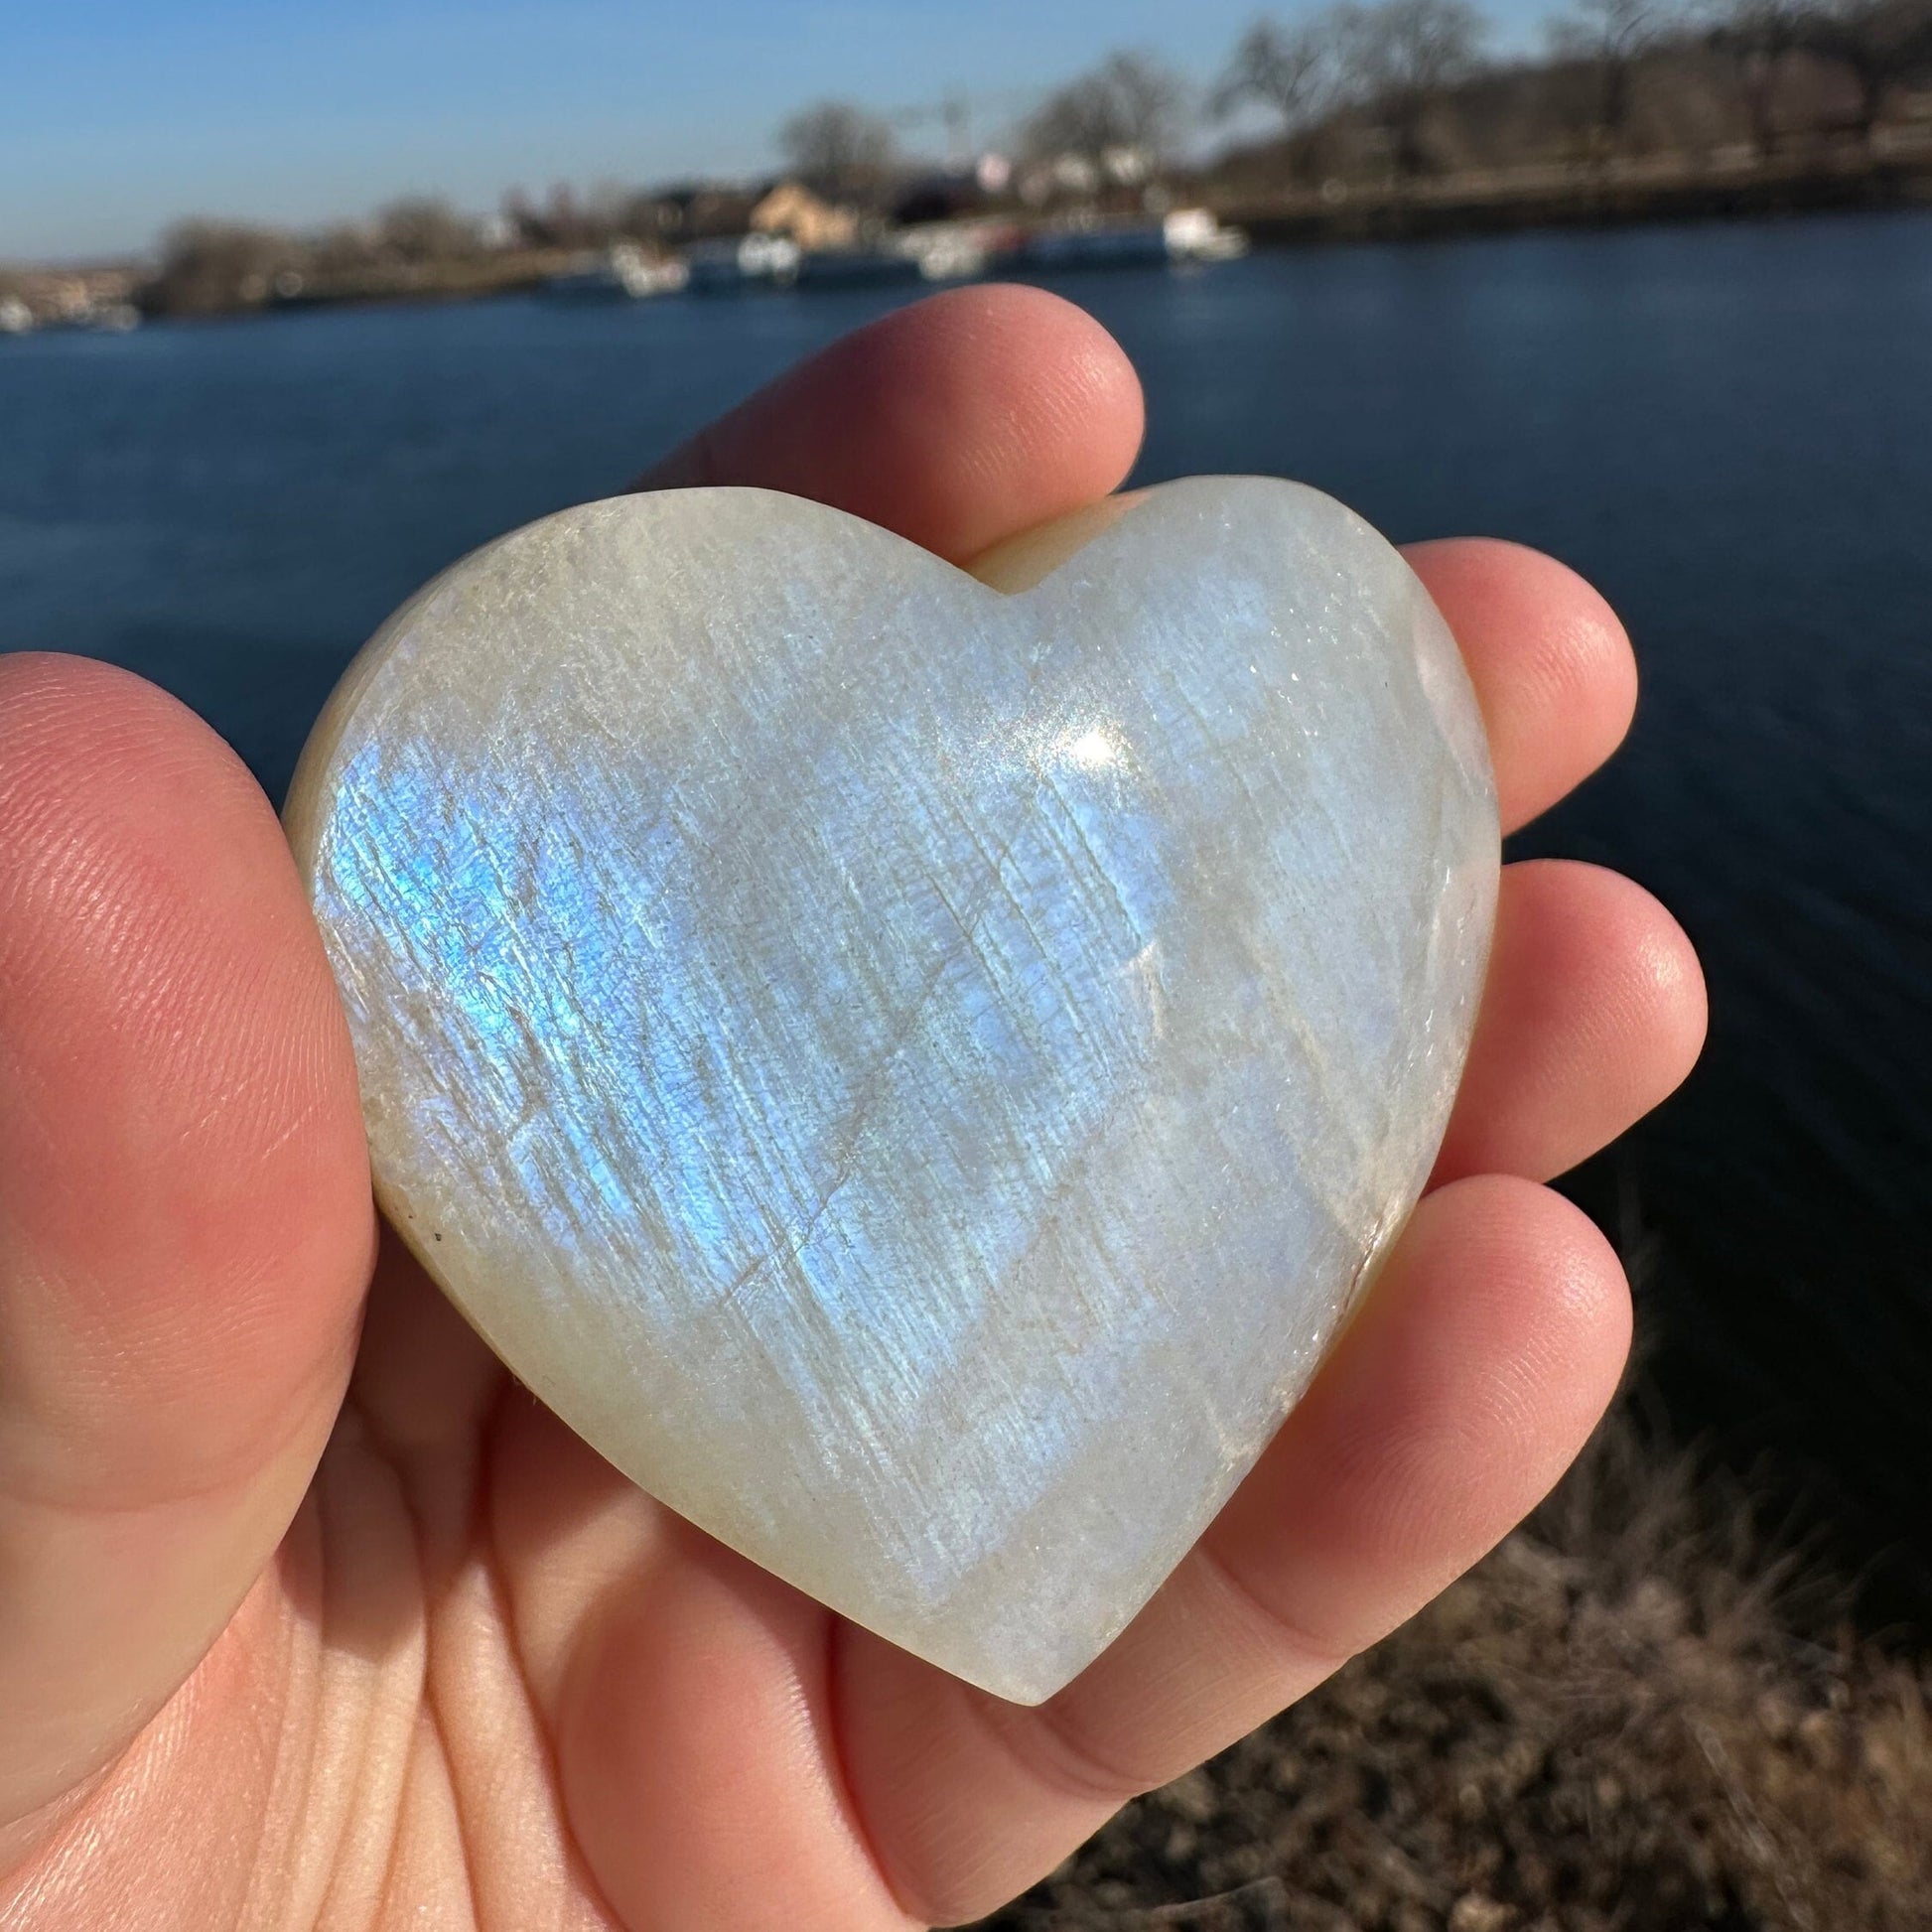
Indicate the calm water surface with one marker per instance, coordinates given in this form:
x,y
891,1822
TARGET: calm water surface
x,y
1729,428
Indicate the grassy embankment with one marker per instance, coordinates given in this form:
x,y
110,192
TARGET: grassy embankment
x,y
1633,1717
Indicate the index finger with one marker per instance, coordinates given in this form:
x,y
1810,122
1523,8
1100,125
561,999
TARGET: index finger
x,y
958,422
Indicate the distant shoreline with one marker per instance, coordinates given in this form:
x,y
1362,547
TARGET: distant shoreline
x,y
1617,195
1442,210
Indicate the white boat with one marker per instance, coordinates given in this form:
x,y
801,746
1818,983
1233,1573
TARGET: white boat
x,y
622,273
745,261
16,317
1187,234
952,251
1194,234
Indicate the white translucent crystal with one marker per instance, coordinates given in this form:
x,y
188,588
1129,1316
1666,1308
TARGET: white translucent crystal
x,y
914,1073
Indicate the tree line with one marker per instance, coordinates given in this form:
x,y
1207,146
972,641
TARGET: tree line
x,y
1413,82
1617,75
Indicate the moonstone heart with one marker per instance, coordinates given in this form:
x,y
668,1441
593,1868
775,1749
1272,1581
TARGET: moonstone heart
x,y
914,1073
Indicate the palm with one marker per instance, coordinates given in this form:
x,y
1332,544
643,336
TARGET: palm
x,y
461,1673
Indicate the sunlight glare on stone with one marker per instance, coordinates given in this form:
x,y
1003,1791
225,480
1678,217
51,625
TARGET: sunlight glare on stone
x,y
1092,748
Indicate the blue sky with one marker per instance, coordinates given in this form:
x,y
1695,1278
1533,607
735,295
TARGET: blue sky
x,y
117,115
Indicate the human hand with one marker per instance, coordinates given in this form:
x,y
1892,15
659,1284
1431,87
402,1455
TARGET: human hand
x,y
270,1657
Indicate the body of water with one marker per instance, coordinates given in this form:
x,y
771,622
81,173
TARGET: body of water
x,y
1729,428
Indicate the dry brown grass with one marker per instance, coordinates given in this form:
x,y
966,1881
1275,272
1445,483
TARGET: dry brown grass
x,y
1631,1719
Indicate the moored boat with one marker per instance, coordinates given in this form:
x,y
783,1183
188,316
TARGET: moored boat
x,y
1194,234
735,262
622,273
1191,234
955,251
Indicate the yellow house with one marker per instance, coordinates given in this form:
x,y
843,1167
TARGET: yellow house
x,y
791,208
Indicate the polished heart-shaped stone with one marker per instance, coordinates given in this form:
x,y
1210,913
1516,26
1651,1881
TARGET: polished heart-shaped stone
x,y
913,1067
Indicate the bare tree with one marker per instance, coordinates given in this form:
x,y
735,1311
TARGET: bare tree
x,y
1761,36
422,229
1613,38
1130,105
840,149
1288,70
1881,44
1399,58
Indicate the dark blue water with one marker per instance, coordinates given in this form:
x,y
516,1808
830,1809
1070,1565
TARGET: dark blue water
x,y
1729,428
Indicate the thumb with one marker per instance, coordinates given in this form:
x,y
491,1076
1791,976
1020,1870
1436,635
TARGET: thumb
x,y
185,1219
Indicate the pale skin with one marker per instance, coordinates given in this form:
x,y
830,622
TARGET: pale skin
x,y
309,1617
